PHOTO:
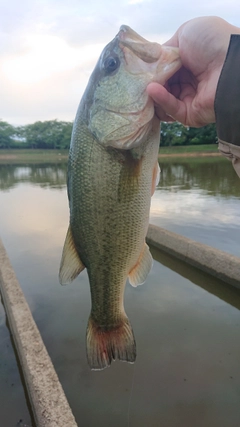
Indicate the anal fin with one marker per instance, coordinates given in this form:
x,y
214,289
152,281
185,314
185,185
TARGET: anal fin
x,y
138,274
71,265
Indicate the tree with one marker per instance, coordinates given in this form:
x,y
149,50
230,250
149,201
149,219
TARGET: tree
x,y
52,134
7,133
177,134
173,134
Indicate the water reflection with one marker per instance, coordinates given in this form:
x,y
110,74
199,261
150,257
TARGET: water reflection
x,y
13,397
215,286
199,198
44,175
216,176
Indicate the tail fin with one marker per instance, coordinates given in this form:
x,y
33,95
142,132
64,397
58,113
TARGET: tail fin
x,y
105,345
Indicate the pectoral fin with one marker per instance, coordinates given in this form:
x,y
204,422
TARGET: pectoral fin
x,y
138,274
71,265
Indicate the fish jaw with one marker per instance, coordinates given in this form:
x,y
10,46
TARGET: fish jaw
x,y
148,51
169,63
141,56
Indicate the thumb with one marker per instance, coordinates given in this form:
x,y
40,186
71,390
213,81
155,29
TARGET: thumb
x,y
173,41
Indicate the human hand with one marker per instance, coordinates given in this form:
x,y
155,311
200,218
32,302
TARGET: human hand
x,y
188,96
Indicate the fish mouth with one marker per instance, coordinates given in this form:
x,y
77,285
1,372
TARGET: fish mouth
x,y
147,51
160,61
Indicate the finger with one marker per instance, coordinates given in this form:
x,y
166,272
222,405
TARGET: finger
x,y
174,40
167,102
163,117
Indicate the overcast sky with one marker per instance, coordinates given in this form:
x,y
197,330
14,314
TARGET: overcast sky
x,y
48,48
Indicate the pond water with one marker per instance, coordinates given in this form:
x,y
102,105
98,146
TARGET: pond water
x,y
186,324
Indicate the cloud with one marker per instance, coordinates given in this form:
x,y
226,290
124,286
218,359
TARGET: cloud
x,y
45,56
48,48
138,1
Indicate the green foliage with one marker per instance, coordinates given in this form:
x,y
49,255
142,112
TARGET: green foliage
x,y
7,133
177,134
54,134
51,134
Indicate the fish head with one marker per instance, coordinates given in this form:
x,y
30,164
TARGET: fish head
x,y
118,110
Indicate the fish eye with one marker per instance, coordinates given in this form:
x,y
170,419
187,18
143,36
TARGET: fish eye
x,y
111,64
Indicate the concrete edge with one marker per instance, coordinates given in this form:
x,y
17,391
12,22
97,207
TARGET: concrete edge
x,y
213,261
49,403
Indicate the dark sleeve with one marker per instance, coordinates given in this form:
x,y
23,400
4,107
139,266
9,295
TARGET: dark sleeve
x,y
227,100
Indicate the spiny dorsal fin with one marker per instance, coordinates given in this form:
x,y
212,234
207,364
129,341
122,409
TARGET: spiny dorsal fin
x,y
71,265
138,274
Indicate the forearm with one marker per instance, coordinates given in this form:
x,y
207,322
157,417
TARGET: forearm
x,y
227,104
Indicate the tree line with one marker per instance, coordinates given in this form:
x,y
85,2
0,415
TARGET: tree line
x,y
54,134
51,134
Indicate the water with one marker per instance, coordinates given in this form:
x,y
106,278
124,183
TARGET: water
x,y
13,397
186,323
199,198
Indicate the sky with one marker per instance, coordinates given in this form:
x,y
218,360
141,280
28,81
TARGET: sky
x,y
48,48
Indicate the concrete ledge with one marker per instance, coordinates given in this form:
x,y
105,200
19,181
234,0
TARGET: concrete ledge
x,y
217,263
49,403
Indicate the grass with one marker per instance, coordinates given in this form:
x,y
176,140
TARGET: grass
x,y
50,156
189,149
31,156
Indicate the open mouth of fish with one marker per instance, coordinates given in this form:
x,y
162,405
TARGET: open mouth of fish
x,y
165,60
145,50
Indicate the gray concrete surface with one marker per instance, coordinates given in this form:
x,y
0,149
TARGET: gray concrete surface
x,y
217,263
49,403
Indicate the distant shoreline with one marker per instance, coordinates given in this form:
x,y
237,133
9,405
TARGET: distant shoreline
x,y
196,154
33,156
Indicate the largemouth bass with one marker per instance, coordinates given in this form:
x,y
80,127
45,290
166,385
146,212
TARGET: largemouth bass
x,y
112,172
